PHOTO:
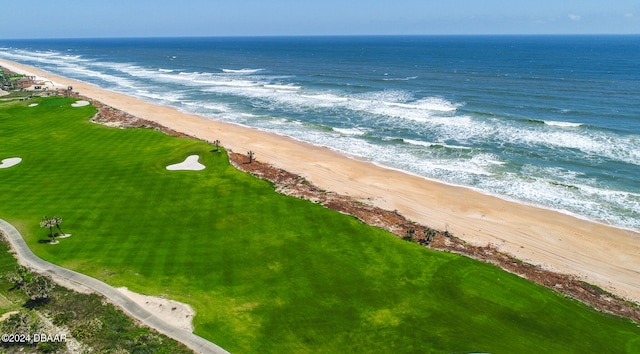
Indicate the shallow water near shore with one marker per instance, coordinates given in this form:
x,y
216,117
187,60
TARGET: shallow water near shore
x,y
552,121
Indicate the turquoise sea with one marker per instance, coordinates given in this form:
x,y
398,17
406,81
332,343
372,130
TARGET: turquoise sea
x,y
552,121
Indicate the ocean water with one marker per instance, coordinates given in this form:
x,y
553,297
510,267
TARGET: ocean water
x,y
551,121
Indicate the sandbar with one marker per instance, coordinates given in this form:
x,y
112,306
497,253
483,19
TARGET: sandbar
x,y
602,255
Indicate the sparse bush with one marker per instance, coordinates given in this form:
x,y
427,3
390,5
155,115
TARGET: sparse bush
x,y
146,343
52,347
39,287
63,318
18,277
408,236
20,323
87,329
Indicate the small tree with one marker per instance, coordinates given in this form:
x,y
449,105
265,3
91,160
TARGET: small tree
x,y
217,144
251,155
47,222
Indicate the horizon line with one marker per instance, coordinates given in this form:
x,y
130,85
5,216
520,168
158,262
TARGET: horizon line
x,y
337,35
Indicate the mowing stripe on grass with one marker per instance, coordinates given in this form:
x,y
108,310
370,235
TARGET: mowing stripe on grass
x,y
265,272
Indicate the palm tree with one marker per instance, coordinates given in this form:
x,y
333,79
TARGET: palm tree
x,y
48,222
57,221
217,144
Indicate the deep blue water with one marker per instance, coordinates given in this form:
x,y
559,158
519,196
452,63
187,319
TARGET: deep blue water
x,y
552,121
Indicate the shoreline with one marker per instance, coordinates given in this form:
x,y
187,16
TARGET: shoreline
x,y
596,253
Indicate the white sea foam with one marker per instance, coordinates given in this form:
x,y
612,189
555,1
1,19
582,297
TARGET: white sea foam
x,y
74,70
282,87
570,196
562,124
350,131
400,78
241,71
432,144
198,106
472,131
419,142
486,160
167,97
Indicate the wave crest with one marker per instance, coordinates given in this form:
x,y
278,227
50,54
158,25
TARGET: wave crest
x,y
241,71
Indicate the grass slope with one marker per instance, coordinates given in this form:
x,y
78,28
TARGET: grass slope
x,y
265,272
98,325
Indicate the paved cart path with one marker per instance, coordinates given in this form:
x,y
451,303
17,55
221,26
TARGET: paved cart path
x,y
29,259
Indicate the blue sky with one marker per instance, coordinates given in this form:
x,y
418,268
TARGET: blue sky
x,y
159,18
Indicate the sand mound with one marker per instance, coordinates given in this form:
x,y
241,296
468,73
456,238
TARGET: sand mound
x,y
80,103
173,312
190,163
12,161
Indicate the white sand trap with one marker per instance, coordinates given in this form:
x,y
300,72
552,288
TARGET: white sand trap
x,y
33,105
190,163
80,103
12,161
177,313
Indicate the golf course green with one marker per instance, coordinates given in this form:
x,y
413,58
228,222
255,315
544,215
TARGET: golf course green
x,y
266,273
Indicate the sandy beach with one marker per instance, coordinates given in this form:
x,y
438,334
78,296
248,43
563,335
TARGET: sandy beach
x,y
599,254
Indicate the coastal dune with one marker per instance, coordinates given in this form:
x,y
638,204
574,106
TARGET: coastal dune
x,y
599,254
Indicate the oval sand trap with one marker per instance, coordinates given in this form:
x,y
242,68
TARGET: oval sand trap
x,y
190,163
33,105
81,103
12,161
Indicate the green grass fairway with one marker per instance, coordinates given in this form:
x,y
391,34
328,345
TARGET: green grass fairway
x,y
266,273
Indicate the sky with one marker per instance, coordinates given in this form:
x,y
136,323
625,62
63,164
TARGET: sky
x,y
176,18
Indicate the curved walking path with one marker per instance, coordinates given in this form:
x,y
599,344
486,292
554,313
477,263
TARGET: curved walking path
x,y
28,258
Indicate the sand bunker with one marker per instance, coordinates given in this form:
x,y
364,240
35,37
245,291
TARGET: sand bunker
x,y
33,105
190,163
12,161
173,312
80,103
